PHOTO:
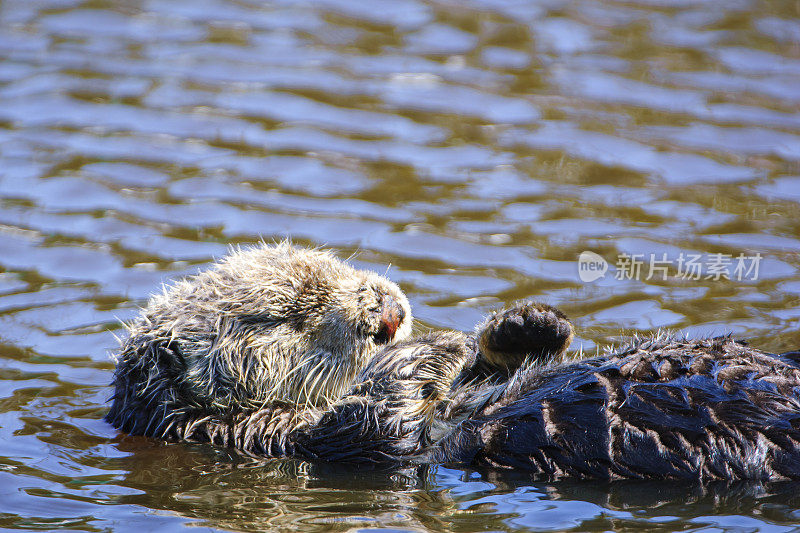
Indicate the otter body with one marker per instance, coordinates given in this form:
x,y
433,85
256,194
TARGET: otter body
x,y
280,351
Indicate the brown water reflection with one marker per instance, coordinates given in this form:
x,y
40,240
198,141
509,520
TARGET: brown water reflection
x,y
477,147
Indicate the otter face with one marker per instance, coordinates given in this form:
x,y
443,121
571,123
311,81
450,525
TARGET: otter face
x,y
373,308
272,323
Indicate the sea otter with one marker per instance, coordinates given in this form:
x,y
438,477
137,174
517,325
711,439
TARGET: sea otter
x,y
284,351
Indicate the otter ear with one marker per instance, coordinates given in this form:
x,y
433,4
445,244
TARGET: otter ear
x,y
531,331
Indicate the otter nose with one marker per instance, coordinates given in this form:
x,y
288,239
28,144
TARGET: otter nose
x,y
392,315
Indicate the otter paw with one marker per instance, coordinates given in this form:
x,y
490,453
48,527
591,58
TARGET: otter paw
x,y
529,330
267,430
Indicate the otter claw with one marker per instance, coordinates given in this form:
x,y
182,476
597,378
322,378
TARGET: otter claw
x,y
531,330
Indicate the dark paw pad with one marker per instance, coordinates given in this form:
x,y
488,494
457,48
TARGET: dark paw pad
x,y
533,330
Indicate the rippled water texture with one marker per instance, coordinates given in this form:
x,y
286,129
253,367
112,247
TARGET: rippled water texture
x,y
476,146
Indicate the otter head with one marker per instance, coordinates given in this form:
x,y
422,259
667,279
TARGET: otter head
x,y
356,314
273,323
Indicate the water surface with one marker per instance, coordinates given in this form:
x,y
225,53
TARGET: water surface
x,y
472,150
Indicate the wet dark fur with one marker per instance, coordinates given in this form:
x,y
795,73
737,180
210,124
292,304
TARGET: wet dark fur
x,y
710,409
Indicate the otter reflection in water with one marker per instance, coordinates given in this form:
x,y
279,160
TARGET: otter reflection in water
x,y
283,351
